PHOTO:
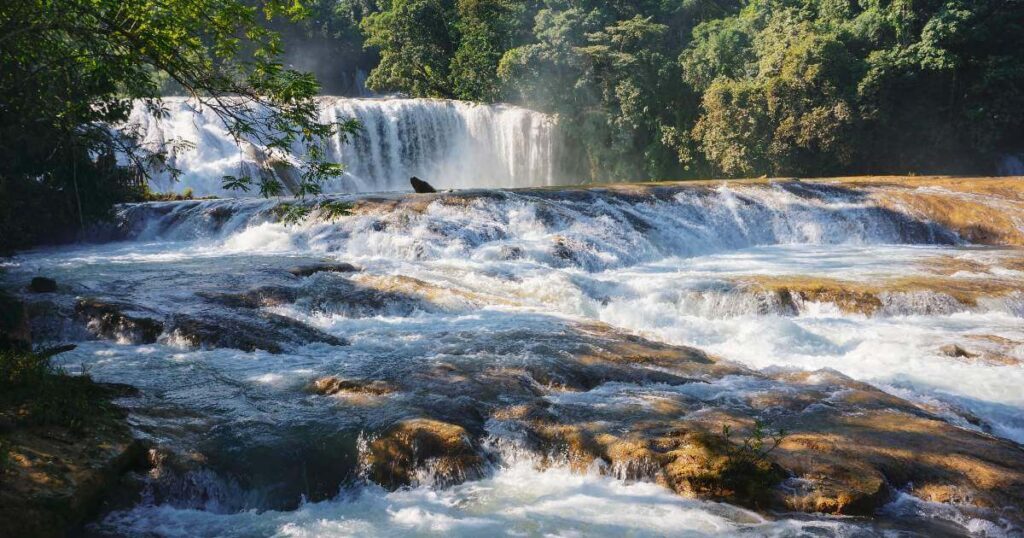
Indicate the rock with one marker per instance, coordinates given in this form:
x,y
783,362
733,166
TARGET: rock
x,y
109,320
41,284
339,267
15,332
57,479
331,385
420,186
266,331
444,449
954,350
255,298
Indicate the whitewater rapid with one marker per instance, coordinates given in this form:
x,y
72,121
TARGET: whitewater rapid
x,y
451,144
478,270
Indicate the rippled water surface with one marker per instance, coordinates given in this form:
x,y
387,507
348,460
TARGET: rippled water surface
x,y
468,283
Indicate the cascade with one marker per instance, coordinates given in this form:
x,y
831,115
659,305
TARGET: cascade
x,y
451,144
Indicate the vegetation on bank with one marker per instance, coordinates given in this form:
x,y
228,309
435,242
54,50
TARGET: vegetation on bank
x,y
63,445
728,87
69,69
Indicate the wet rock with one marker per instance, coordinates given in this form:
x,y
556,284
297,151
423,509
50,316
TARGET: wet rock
x,y
15,332
41,284
508,252
402,452
261,297
331,385
110,320
420,186
946,294
267,332
57,478
954,350
333,267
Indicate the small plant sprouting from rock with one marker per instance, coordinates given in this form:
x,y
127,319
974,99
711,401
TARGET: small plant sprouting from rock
x,y
328,210
748,472
755,448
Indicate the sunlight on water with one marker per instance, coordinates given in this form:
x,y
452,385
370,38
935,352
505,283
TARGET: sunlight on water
x,y
453,282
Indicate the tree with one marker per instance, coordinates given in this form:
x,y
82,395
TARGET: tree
x,y
486,29
70,69
416,39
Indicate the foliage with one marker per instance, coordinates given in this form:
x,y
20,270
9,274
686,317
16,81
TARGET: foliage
x,y
755,447
748,472
734,87
71,68
290,213
415,38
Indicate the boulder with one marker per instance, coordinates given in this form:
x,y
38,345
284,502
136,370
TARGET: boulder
x,y
421,187
444,450
265,331
332,267
331,385
110,320
41,284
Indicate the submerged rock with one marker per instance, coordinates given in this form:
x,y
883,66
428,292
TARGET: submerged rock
x,y
411,447
41,284
705,428
332,267
255,298
267,332
946,294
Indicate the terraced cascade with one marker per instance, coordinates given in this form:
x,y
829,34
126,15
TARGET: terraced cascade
x,y
783,357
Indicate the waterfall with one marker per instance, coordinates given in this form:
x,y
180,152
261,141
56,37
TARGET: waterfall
x,y
451,144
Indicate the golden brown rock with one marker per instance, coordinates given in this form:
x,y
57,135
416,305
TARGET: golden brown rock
x,y
444,450
331,385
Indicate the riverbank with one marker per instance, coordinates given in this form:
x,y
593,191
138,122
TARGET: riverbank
x,y
63,445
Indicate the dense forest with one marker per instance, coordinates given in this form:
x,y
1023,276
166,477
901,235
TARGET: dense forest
x,y
686,88
644,89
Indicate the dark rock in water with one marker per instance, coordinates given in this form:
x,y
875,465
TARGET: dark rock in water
x,y
395,456
109,320
420,186
41,284
15,332
268,332
306,270
255,298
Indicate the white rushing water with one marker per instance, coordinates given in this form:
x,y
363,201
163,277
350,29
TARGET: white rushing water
x,y
451,144
663,265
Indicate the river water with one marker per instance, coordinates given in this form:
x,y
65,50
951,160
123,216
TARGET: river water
x,y
489,279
